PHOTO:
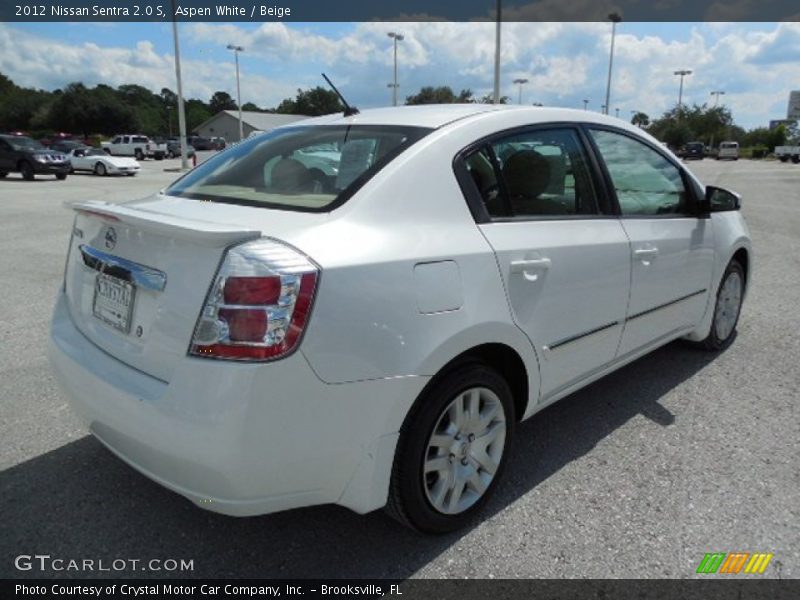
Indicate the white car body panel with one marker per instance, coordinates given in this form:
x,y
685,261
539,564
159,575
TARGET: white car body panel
x,y
408,282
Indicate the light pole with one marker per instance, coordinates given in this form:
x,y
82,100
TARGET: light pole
x,y
716,94
617,112
585,105
614,18
496,95
181,112
397,38
683,73
521,81
604,109
236,50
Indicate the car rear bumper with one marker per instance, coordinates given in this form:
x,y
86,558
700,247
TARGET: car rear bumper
x,y
234,438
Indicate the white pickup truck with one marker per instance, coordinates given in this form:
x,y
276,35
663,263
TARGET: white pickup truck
x,y
785,153
138,146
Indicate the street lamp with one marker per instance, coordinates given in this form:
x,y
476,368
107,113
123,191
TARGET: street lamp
x,y
496,94
617,111
521,81
397,38
236,50
716,95
614,18
181,112
604,109
683,73
585,104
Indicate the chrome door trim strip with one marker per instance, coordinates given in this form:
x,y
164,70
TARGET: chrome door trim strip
x,y
580,336
665,305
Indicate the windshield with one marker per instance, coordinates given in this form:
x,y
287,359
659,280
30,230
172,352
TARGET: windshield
x,y
21,142
298,168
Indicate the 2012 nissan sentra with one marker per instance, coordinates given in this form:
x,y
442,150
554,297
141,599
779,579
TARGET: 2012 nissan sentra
x,y
359,309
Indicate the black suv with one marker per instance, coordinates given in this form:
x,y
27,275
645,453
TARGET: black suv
x,y
29,157
694,150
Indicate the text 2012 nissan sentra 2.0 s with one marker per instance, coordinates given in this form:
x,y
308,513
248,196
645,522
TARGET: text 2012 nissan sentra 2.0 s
x,y
358,309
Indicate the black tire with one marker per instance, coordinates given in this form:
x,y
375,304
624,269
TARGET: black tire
x,y
170,154
61,176
409,501
26,169
783,158
100,169
3,174
159,156
796,159
713,341
138,154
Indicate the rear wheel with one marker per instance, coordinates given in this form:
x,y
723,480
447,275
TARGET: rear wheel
x,y
3,174
26,169
726,309
139,154
452,450
100,169
61,176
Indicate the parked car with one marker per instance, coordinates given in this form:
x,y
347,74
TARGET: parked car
x,y
28,157
100,163
262,335
694,150
64,146
219,143
174,149
786,153
200,143
138,146
728,150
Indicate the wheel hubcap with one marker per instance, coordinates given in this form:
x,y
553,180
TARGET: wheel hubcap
x,y
728,303
464,450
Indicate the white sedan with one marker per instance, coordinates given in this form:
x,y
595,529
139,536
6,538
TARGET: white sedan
x,y
99,162
264,334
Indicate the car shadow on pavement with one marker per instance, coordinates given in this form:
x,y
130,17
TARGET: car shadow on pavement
x,y
81,502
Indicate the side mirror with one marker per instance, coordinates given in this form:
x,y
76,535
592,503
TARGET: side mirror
x,y
719,199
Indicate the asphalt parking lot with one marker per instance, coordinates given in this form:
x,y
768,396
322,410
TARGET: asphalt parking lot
x,y
638,475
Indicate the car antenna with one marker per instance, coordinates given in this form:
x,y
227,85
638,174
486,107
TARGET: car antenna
x,y
349,111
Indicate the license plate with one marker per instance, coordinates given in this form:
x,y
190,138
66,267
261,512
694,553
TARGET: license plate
x,y
113,301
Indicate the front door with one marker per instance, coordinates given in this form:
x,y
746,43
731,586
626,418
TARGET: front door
x,y
671,247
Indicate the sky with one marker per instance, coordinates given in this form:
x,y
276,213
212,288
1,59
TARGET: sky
x,y
755,64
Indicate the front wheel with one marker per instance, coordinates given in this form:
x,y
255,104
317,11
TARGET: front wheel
x,y
27,171
452,450
3,174
61,176
100,169
726,309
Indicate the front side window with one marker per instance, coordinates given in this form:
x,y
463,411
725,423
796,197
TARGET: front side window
x,y
541,173
646,182
298,168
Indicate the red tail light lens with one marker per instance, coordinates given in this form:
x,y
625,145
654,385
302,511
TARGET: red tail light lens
x,y
259,304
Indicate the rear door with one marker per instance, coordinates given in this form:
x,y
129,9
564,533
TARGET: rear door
x,y
6,156
671,246
564,256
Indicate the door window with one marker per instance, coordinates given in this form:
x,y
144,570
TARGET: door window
x,y
646,182
537,173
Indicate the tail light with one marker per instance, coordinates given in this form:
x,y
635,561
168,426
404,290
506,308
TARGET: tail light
x,y
259,303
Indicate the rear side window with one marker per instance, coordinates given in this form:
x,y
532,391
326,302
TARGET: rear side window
x,y
139,140
540,173
298,168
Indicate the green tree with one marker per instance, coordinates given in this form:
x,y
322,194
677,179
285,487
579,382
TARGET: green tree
x,y
197,112
489,99
251,107
640,119
221,101
313,102
440,95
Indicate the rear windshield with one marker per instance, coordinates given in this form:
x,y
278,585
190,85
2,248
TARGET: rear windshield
x,y
729,145
299,168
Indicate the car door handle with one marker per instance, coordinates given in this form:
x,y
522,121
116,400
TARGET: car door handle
x,y
645,252
531,264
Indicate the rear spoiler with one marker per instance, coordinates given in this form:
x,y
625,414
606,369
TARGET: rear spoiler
x,y
200,232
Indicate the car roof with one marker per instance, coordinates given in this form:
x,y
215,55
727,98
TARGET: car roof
x,y
435,116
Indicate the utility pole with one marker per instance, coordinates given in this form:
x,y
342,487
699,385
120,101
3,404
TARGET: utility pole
x,y
496,96
236,50
521,82
181,112
397,38
614,18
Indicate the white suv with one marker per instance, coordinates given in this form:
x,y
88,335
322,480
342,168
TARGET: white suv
x,y
359,309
